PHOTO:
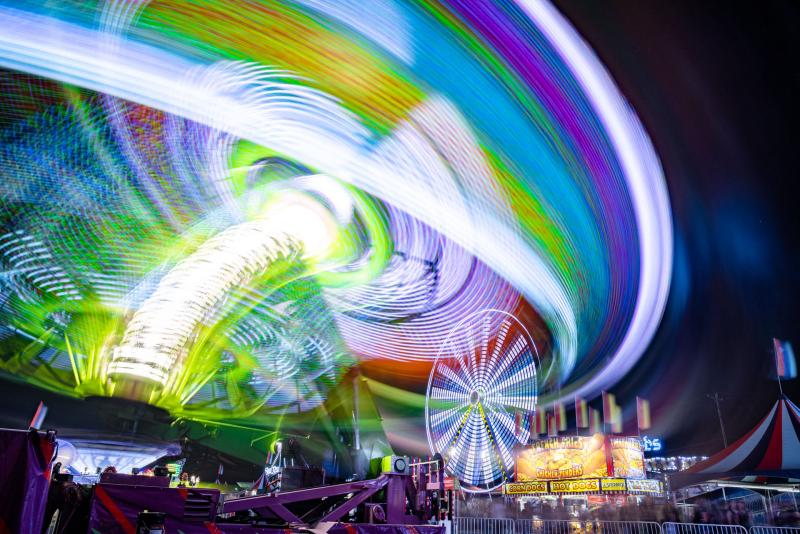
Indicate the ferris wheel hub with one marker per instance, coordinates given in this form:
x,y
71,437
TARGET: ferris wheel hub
x,y
474,397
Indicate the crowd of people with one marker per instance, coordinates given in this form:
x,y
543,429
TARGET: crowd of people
x,y
734,512
647,510
721,513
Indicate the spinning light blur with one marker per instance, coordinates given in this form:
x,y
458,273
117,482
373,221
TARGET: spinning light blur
x,y
236,204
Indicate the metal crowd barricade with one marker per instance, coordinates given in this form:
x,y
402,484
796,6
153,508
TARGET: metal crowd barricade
x,y
482,525
538,526
486,525
626,527
774,530
534,526
698,528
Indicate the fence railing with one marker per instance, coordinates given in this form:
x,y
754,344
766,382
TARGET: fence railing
x,y
482,525
532,526
697,528
487,525
774,530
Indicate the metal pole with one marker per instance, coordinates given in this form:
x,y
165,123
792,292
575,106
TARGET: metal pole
x,y
769,505
356,420
716,398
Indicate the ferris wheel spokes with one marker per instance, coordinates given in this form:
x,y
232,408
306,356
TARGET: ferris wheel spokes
x,y
483,379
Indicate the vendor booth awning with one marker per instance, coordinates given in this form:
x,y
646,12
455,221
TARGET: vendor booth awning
x,y
770,449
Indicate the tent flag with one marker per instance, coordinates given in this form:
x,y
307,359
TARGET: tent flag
x,y
532,420
595,424
609,401
38,417
643,413
616,424
552,429
561,416
541,422
785,363
581,413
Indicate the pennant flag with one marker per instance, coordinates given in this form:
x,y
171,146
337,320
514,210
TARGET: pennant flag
x,y
38,417
552,429
581,413
616,423
517,424
595,424
561,416
541,422
220,470
609,401
643,413
785,364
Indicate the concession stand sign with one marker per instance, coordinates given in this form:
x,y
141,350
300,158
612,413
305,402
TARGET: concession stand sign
x,y
563,458
575,486
644,486
525,488
582,485
613,484
627,457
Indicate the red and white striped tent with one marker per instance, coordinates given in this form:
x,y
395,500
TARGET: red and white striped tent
x,y
770,449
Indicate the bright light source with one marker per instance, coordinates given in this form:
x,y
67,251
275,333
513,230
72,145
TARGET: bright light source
x,y
158,335
304,220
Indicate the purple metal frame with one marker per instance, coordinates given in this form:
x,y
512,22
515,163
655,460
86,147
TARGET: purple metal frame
x,y
361,490
400,488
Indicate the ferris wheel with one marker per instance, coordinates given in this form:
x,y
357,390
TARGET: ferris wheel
x,y
481,393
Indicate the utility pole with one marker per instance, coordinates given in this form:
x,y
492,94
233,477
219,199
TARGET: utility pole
x,y
716,398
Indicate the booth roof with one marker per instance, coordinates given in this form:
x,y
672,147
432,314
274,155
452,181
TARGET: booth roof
x,y
770,449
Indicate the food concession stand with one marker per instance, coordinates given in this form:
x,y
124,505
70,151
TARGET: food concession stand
x,y
588,471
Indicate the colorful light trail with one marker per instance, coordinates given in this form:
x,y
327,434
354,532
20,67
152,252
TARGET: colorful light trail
x,y
457,156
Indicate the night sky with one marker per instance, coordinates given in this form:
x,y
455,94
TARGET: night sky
x,y
715,85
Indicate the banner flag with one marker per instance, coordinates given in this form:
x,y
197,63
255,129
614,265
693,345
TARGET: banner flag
x,y
785,363
616,424
561,417
595,423
552,429
541,421
643,413
609,401
581,413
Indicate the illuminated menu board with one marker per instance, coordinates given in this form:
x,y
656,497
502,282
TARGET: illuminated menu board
x,y
563,458
627,457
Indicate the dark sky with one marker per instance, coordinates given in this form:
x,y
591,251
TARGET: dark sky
x,y
715,84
